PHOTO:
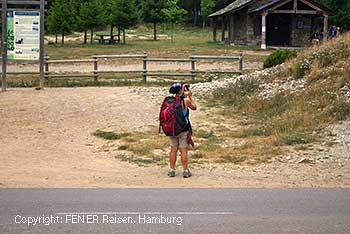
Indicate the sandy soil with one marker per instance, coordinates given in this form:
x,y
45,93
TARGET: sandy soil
x,y
46,141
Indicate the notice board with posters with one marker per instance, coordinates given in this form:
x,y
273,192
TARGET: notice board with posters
x,y
23,35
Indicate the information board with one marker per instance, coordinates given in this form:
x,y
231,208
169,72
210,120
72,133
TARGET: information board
x,y
23,35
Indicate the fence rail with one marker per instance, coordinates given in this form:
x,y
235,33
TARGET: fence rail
x,y
144,72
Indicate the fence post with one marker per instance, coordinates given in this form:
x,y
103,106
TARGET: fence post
x,y
193,68
46,72
241,62
95,69
145,68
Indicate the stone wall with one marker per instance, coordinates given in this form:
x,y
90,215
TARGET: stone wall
x,y
300,30
251,38
240,27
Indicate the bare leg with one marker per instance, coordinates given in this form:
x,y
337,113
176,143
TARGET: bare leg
x,y
184,157
172,156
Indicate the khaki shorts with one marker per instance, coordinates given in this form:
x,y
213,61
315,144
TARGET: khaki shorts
x,y
180,140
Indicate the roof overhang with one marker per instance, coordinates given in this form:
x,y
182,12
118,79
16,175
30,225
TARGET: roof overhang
x,y
231,8
320,8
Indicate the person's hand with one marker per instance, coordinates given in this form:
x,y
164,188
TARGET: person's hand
x,y
190,93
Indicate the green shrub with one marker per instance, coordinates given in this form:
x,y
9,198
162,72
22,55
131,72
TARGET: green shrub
x,y
278,57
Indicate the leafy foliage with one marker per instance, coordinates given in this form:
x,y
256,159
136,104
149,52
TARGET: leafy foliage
x,y
62,17
341,9
92,15
279,57
152,12
124,14
173,14
206,9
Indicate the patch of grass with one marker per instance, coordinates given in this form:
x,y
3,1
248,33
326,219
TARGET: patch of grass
x,y
144,143
123,147
204,134
341,110
331,143
296,139
252,132
252,152
109,135
197,155
137,160
236,94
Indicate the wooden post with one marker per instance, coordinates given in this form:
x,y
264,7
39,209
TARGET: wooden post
x,y
47,66
42,45
232,28
325,28
145,68
263,31
4,45
193,68
223,28
96,69
241,62
214,29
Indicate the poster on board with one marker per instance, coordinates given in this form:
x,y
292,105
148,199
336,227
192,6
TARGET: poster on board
x,y
23,35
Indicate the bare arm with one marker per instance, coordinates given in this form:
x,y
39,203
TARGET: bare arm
x,y
189,101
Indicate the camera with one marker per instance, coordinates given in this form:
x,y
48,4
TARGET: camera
x,y
187,87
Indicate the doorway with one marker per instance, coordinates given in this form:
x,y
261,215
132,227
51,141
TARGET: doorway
x,y
278,29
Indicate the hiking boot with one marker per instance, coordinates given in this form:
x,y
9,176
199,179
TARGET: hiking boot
x,y
187,173
171,173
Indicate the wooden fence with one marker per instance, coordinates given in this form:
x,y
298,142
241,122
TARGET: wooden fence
x,y
144,72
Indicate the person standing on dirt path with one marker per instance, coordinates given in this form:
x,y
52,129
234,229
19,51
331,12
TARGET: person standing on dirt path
x,y
182,141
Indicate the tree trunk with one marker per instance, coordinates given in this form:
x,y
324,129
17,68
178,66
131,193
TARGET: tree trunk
x,y
119,34
124,37
203,24
154,31
92,36
56,38
62,38
112,38
195,11
172,32
85,37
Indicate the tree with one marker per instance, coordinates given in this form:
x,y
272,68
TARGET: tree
x,y
193,9
108,4
206,9
92,15
61,18
174,14
152,11
125,14
341,10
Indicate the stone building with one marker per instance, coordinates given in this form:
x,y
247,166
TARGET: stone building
x,y
270,22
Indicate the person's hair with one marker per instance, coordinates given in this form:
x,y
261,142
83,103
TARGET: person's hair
x,y
175,88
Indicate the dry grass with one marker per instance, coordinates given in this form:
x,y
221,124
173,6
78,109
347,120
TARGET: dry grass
x,y
287,119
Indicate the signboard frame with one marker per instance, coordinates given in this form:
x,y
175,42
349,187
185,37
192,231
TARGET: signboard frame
x,y
24,42
4,44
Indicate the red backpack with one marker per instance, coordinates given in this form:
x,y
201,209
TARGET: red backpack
x,y
171,118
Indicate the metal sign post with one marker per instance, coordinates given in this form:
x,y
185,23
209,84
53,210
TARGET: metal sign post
x,y
24,10
4,45
42,35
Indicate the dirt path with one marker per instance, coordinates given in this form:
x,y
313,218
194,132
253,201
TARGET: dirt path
x,y
46,141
